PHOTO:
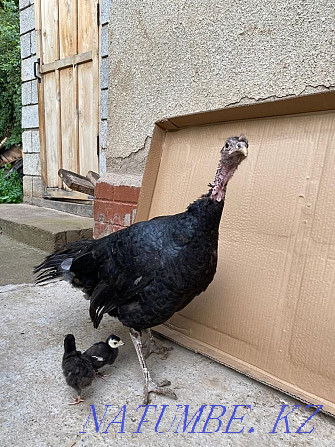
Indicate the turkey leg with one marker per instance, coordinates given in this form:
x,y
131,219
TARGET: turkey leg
x,y
149,385
151,346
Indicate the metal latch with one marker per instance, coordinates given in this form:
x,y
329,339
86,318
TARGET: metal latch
x,y
37,72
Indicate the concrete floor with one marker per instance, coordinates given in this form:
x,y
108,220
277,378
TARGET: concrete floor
x,y
17,261
34,396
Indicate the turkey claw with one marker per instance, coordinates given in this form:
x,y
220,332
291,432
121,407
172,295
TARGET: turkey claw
x,y
158,389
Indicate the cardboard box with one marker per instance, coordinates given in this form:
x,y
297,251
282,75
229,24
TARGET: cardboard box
x,y
270,311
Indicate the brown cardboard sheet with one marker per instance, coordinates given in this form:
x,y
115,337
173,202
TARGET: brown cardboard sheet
x,y
270,311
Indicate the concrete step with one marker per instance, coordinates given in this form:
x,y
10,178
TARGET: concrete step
x,y
43,228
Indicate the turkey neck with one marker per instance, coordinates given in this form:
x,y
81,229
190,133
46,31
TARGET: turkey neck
x,y
223,174
208,208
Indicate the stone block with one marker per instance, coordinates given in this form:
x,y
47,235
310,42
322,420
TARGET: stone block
x,y
25,41
104,104
27,19
27,186
27,69
33,42
30,141
26,141
105,6
103,134
104,73
37,187
31,164
34,92
102,161
26,93
24,3
104,41
30,116
35,141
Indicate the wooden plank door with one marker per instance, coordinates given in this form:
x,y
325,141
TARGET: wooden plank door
x,y
68,49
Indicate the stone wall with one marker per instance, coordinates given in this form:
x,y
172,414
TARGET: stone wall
x,y
32,183
105,6
177,58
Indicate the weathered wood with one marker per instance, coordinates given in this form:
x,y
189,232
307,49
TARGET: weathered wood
x,y
86,24
40,92
67,62
56,193
76,182
68,46
68,23
51,128
68,118
88,118
3,142
93,177
12,154
50,31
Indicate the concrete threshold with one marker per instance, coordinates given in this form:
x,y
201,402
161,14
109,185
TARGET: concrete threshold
x,y
43,228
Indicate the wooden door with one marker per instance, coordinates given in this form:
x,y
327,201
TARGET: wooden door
x,y
68,49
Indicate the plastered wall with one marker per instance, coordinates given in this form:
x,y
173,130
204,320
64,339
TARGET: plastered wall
x,y
179,57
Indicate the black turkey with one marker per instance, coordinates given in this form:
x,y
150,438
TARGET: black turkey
x,y
145,273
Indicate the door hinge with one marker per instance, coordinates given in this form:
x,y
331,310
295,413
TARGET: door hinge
x,y
98,14
37,72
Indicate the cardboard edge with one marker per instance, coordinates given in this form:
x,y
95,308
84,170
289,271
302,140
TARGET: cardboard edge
x,y
244,368
150,174
316,102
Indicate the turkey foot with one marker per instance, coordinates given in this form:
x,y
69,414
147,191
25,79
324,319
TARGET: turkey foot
x,y
151,346
157,388
149,385
76,400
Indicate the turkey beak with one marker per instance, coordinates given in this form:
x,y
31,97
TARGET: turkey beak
x,y
242,148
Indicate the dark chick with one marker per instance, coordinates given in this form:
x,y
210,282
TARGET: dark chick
x,y
145,273
77,368
104,353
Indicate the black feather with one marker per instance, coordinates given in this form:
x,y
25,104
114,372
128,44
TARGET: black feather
x,y
102,353
77,368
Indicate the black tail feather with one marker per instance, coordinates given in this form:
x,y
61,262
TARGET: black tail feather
x,y
51,267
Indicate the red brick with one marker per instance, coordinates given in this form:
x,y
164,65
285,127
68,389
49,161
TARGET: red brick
x,y
128,194
104,191
114,207
115,213
101,229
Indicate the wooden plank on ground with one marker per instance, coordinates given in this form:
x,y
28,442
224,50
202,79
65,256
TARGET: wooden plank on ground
x,y
76,182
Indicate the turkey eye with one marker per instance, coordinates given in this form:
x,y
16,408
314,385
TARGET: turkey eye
x,y
226,145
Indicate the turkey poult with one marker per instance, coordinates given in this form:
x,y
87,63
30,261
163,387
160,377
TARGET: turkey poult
x,y
145,273
77,368
104,353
